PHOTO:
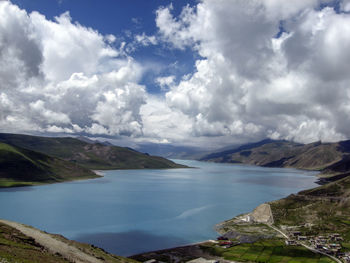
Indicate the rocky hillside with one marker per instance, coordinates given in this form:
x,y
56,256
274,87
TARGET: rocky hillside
x,y
21,243
331,158
89,155
19,167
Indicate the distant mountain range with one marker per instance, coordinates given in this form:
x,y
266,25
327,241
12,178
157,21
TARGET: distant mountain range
x,y
172,151
28,159
329,158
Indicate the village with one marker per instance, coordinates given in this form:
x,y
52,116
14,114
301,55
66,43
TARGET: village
x,y
326,244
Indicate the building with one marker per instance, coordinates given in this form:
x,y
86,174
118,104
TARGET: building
x,y
291,242
296,233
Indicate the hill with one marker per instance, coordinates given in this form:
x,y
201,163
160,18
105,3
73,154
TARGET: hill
x,y
331,158
318,211
21,243
20,167
87,154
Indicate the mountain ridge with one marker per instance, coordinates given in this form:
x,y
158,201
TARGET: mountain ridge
x,y
96,156
328,158
21,167
31,160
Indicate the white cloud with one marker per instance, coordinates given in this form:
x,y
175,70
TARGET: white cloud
x,y
248,83
145,40
69,47
162,123
49,116
165,82
110,38
176,31
59,76
345,5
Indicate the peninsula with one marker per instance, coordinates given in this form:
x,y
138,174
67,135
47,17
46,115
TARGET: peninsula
x,y
29,160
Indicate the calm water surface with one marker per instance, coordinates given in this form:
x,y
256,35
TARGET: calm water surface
x,y
133,211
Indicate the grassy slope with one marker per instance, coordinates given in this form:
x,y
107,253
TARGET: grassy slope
x,y
314,156
20,167
92,156
326,208
16,247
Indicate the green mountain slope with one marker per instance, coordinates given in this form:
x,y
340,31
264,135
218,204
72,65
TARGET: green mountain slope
x,y
20,166
92,156
328,157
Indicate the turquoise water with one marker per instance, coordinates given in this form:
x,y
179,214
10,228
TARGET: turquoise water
x,y
132,211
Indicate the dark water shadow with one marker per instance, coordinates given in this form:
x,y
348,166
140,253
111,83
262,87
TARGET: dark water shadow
x,y
26,188
282,182
100,180
131,242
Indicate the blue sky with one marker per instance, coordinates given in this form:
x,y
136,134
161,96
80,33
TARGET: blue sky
x,y
107,16
200,73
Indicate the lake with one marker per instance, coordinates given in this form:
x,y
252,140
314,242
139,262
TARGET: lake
x,y
132,211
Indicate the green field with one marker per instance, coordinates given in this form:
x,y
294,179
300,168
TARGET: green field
x,y
267,251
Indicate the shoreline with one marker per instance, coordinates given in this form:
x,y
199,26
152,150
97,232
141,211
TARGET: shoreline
x,y
317,177
8,184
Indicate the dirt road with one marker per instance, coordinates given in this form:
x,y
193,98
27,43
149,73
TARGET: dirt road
x,y
53,245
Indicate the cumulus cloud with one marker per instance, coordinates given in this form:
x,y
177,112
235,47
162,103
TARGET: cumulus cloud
x,y
162,124
266,68
145,40
345,6
165,82
62,77
271,68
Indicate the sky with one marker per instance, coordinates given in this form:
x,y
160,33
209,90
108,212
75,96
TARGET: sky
x,y
204,73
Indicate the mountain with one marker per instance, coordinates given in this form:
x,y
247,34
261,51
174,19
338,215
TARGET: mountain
x,y
172,151
20,167
89,155
88,140
331,158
